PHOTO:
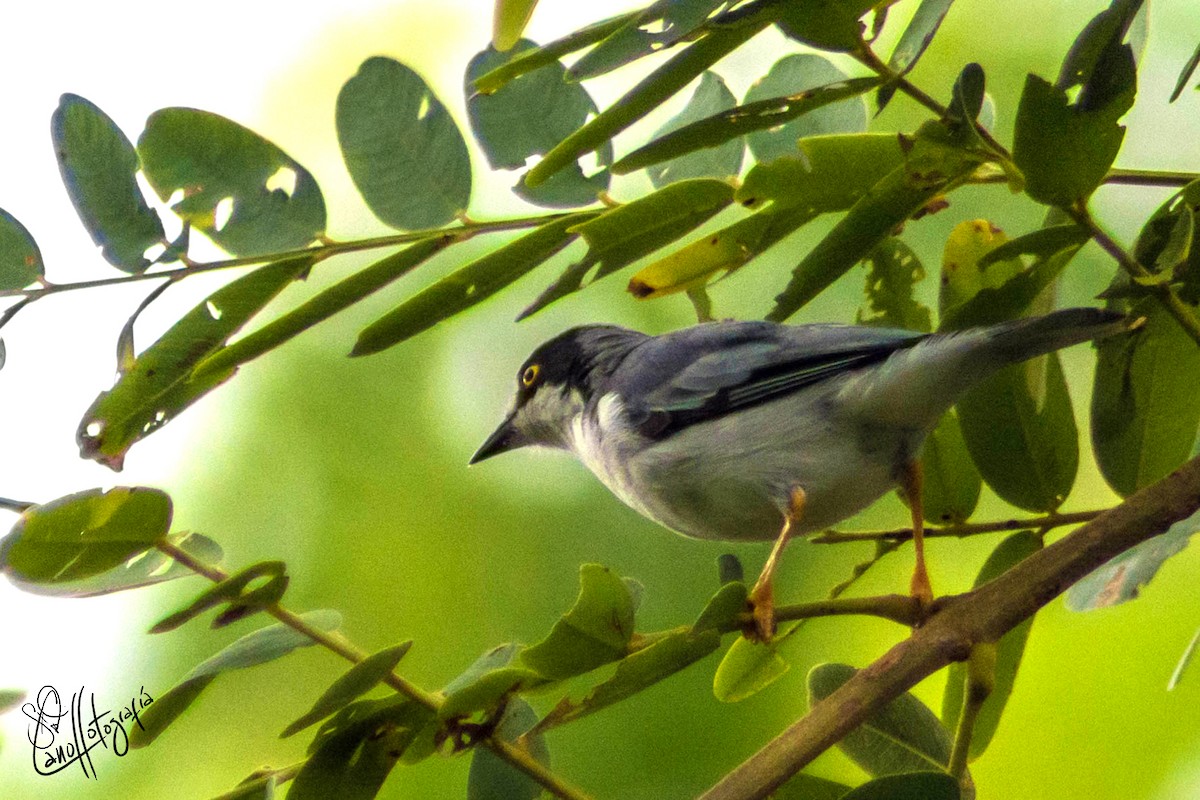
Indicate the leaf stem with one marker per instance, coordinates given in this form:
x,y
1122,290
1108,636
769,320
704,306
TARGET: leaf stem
x,y
18,506
900,608
1184,314
1047,522
980,678
337,643
326,249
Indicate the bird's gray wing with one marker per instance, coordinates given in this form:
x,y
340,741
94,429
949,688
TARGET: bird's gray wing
x,y
700,373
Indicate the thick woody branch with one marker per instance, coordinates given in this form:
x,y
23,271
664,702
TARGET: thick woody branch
x,y
960,622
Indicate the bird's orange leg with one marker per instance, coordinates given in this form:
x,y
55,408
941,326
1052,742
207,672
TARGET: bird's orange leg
x,y
762,596
911,479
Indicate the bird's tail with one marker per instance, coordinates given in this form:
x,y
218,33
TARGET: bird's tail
x,y
914,387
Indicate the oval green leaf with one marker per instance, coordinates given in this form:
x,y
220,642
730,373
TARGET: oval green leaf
x,y
20,258
98,166
747,668
237,188
909,786
357,681
402,147
711,97
85,534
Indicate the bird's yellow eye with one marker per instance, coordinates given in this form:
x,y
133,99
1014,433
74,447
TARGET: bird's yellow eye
x,y
530,374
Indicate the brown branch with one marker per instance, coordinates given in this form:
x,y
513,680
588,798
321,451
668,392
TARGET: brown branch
x,y
960,622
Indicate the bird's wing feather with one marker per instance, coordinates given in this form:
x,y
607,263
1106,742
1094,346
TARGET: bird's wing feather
x,y
703,372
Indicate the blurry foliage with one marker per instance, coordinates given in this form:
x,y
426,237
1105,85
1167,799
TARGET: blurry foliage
x,y
804,126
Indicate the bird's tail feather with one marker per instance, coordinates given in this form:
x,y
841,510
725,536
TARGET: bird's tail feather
x,y
914,387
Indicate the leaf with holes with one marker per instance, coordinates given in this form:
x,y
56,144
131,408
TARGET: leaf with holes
x,y
493,778
237,188
1009,651
829,173
469,285
711,97
913,42
662,25
1145,407
142,569
527,117
801,73
529,60
20,258
826,24
401,146
595,631
160,383
358,680
903,736
355,751
746,119
649,94
622,235
85,534
893,269
258,647
98,166
319,308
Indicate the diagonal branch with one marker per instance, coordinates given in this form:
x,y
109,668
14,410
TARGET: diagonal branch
x,y
961,621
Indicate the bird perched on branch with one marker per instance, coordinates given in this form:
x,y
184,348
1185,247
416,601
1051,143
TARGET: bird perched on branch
x,y
759,431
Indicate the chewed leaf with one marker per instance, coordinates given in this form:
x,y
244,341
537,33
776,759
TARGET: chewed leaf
x,y
833,26
160,382
527,117
20,258
239,189
658,27
98,166
85,534
893,269
401,146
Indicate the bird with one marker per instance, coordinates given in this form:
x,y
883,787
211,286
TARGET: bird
x,y
755,430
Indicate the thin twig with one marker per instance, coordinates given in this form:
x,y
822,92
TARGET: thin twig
x,y
18,506
1047,522
337,643
900,608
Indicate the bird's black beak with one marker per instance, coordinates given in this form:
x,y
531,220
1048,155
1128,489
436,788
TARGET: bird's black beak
x,y
503,439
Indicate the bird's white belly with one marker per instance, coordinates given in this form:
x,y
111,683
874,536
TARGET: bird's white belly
x,y
731,477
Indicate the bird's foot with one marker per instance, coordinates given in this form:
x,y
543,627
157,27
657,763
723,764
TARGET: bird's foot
x,y
922,590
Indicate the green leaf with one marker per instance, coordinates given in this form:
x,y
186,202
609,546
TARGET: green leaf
x,y
143,569
1122,578
232,590
640,670
893,269
1009,651
1185,74
356,750
1089,62
595,631
659,27
903,736
805,74
85,534
20,258
358,680
741,120
909,786
746,669
401,146
916,37
1185,661
529,60
803,786
829,173
723,608
527,117
1145,407
258,647
711,97
649,94
1165,244
951,487
624,234
317,309
493,778
929,170
160,383
509,22
469,285
1043,242
1063,150
485,683
826,24
98,166
273,202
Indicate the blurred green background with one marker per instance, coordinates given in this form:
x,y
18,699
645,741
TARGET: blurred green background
x,y
354,472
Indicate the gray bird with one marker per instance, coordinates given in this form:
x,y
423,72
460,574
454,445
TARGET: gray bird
x,y
759,431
